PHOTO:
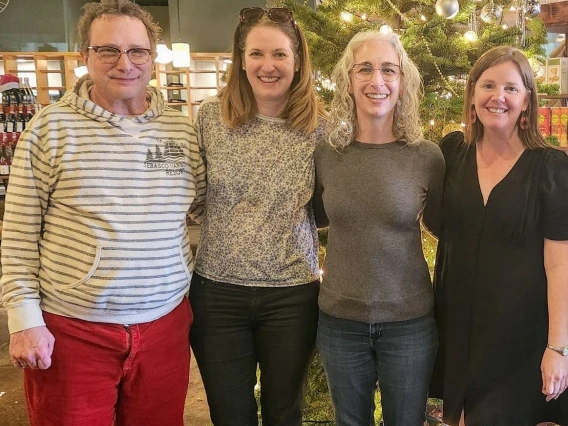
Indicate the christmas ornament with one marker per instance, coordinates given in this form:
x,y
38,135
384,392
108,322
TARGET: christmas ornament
x,y
491,13
471,35
448,8
537,67
532,8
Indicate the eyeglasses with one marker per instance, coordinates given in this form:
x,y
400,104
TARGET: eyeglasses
x,y
280,15
111,55
364,72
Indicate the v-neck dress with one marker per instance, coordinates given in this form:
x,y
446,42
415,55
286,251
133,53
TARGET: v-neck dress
x,y
491,287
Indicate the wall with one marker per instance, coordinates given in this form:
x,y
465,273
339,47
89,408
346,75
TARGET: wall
x,y
50,25
208,25
28,25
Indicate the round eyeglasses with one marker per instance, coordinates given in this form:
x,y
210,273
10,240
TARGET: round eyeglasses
x,y
364,72
111,55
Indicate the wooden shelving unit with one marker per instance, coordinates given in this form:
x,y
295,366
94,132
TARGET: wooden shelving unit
x,y
202,79
52,73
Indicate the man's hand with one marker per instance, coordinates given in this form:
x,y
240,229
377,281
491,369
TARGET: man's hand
x,y
32,348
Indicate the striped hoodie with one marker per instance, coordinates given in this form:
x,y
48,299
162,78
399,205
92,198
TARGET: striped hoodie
x,y
94,226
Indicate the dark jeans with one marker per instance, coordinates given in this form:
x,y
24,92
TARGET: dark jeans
x,y
398,355
237,327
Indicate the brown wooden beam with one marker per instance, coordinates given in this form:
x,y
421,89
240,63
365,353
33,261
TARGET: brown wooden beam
x,y
555,17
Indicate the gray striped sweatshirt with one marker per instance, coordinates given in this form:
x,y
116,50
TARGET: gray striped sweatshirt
x,y
94,226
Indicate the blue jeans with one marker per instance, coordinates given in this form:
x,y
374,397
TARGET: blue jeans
x,y
237,327
398,355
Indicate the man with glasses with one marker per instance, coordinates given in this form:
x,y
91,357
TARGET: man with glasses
x,y
96,255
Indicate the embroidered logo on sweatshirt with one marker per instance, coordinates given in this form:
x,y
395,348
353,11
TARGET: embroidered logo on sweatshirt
x,y
167,155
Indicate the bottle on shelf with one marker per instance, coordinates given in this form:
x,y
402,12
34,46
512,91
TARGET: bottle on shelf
x,y
11,119
2,122
5,102
31,106
4,166
20,119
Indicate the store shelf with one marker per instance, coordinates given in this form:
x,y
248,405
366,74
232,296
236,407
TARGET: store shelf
x,y
46,71
202,79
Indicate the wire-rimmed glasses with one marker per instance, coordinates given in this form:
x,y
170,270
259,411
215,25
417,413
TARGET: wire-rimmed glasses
x,y
365,71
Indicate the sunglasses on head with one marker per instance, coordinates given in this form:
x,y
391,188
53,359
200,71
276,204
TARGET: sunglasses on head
x,y
275,14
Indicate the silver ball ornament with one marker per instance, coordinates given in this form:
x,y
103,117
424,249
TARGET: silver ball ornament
x,y
491,13
532,8
447,8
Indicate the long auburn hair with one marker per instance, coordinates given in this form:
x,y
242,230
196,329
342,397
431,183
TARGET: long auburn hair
x,y
238,104
473,132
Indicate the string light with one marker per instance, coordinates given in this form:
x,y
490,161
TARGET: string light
x,y
346,16
442,76
470,36
397,10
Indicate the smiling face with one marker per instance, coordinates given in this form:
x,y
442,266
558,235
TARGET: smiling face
x,y
120,87
375,99
499,97
269,64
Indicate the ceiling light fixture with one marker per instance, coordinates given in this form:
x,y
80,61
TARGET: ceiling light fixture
x,y
181,52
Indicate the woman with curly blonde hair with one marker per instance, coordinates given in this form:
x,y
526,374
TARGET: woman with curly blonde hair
x,y
376,180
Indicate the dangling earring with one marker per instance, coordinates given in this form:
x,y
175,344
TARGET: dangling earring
x,y
473,115
524,123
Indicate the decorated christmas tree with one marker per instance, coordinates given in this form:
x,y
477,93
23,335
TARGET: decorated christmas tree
x,y
444,38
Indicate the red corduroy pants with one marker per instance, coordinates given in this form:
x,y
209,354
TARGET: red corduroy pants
x,y
107,374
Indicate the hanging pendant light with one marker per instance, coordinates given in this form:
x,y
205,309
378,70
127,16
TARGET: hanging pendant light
x,y
165,55
181,52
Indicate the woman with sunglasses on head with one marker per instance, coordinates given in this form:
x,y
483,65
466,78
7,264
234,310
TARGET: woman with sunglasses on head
x,y
376,179
501,276
254,293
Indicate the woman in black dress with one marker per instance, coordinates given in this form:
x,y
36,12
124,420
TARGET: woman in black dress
x,y
501,276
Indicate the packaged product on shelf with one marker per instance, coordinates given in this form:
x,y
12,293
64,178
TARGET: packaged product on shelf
x,y
544,121
557,73
559,124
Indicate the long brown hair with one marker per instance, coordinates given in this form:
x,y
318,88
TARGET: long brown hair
x,y
238,104
473,132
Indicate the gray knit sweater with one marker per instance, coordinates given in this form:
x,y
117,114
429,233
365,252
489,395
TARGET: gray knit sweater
x,y
373,196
